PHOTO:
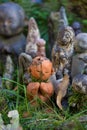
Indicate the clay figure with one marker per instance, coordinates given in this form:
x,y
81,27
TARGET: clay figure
x,y
40,69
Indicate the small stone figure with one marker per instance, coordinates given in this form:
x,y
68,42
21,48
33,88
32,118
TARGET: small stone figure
x,y
81,43
79,59
55,21
32,37
14,122
15,125
12,21
41,47
76,27
12,40
25,59
8,72
79,64
79,83
63,50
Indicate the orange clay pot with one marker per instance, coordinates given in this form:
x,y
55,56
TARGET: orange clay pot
x,y
43,91
41,68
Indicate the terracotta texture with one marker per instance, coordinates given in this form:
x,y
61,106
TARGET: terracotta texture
x,y
32,90
41,90
41,68
46,89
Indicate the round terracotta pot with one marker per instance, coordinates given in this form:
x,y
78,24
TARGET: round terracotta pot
x,y
41,68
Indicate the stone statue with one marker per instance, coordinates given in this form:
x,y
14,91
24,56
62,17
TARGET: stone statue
x,y
55,21
32,37
25,59
63,50
12,40
79,64
79,83
14,122
79,59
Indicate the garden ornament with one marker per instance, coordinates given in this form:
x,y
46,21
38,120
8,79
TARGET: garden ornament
x,y
12,40
79,64
63,50
79,83
14,122
25,59
40,70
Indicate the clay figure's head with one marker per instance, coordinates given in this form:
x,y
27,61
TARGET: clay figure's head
x,y
11,19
